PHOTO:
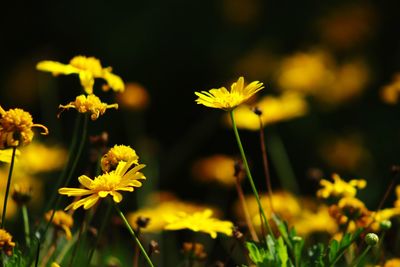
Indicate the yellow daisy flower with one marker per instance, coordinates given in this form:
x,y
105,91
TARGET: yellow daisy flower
x,y
392,262
16,128
227,100
340,188
198,222
6,243
122,179
116,154
89,104
88,68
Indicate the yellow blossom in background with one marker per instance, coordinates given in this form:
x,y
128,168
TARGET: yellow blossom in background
x,y
397,201
89,104
340,188
61,220
158,212
198,222
390,92
6,154
16,128
395,262
135,97
118,153
274,109
227,100
6,243
124,178
344,153
218,168
22,193
314,221
52,157
383,215
88,68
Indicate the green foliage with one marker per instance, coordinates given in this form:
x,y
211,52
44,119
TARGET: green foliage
x,y
16,260
274,254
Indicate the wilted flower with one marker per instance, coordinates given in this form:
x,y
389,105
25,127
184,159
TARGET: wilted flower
x,y
89,104
198,222
124,178
88,68
6,243
61,220
116,154
16,128
227,100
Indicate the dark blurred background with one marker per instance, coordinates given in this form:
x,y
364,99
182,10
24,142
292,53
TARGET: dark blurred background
x,y
173,48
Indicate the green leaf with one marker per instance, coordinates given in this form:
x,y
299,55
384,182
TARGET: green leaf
x,y
254,252
282,253
333,250
316,253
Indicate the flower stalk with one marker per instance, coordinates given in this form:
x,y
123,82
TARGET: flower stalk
x,y
3,217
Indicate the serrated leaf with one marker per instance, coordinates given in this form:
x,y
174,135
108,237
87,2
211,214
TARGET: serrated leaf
x,y
333,249
254,252
282,253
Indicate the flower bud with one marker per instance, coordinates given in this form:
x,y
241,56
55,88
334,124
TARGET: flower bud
x,y
371,239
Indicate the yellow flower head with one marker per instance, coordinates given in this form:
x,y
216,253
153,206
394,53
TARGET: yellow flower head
x,y
116,154
287,106
392,262
198,222
6,244
61,220
89,104
88,68
227,100
340,188
135,97
383,215
124,178
16,128
219,168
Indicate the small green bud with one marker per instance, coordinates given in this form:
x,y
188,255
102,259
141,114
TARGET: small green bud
x,y
371,239
386,225
297,239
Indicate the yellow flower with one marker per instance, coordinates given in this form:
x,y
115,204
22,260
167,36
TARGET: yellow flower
x,y
274,109
16,128
52,157
219,168
395,262
157,213
318,221
198,222
88,68
227,100
89,104
116,154
135,97
383,215
397,201
339,188
6,244
122,179
62,221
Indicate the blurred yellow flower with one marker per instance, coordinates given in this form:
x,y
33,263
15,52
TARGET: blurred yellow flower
x,y
6,154
6,243
397,201
156,213
124,178
16,128
395,262
89,104
274,109
61,220
135,97
198,222
218,168
315,221
88,68
340,188
390,92
383,215
344,153
118,153
227,100
52,157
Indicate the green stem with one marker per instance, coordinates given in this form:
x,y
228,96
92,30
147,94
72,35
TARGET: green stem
x,y
359,259
66,248
133,235
246,165
80,239
3,217
100,233
26,225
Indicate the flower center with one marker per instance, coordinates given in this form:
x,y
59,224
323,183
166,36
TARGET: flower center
x,y
106,182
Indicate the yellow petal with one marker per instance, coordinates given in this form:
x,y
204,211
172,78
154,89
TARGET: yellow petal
x,y
117,197
90,201
103,193
56,67
74,191
87,81
85,181
114,81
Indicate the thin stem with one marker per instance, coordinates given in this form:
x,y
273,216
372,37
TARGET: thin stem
x,y
81,230
246,211
359,258
133,235
26,225
246,165
66,248
265,163
3,217
100,233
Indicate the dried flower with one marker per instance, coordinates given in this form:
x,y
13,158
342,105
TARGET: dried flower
x,y
6,244
116,154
